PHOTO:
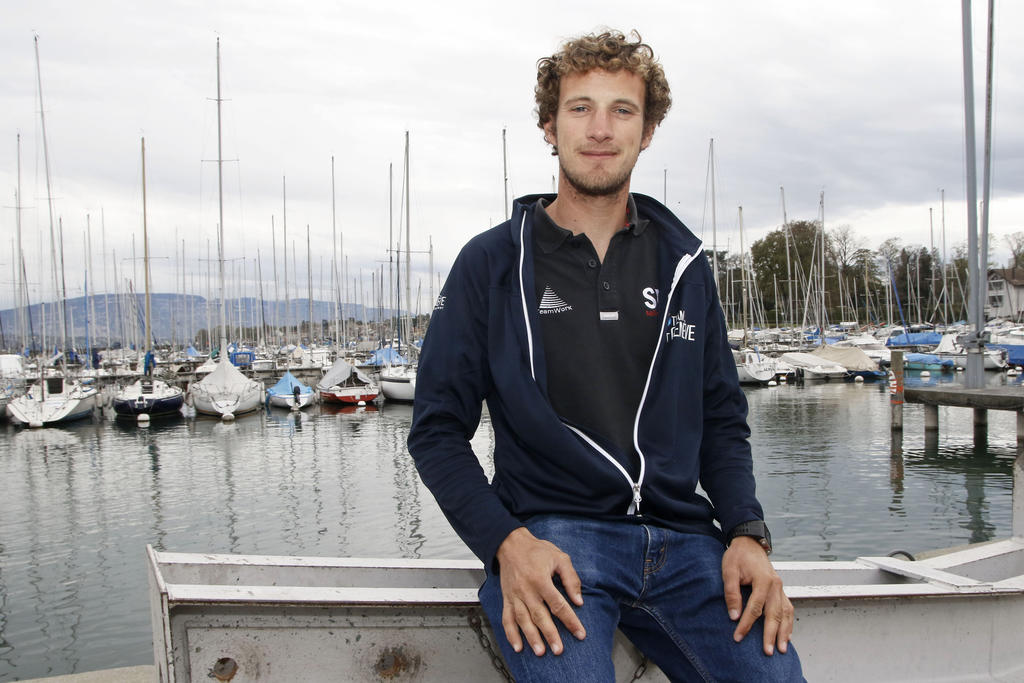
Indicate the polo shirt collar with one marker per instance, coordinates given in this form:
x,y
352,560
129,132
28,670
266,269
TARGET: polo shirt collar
x,y
550,236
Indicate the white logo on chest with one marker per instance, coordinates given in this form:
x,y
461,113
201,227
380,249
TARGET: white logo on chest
x,y
552,303
678,328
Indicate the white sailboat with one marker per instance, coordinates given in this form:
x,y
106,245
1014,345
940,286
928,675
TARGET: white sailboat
x,y
225,392
52,399
398,382
949,349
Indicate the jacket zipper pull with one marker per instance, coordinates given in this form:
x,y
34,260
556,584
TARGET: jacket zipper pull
x,y
634,507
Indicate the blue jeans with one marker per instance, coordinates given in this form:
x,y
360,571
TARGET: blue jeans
x,y
662,588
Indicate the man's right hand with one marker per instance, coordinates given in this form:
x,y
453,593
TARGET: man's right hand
x,y
528,566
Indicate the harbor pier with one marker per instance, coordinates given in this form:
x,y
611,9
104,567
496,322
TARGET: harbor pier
x,y
980,401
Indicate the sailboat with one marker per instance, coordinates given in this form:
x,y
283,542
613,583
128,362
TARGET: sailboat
x,y
290,392
398,382
225,392
343,383
52,399
147,397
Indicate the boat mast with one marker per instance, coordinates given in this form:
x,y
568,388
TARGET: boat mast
x,y
789,268
220,222
714,216
277,291
743,278
106,289
284,243
821,331
145,248
334,263
309,283
391,243
22,289
261,341
49,202
504,164
408,248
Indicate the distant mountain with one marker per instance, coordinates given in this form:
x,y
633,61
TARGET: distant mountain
x,y
173,316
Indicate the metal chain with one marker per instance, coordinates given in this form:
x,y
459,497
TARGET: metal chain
x,y
476,623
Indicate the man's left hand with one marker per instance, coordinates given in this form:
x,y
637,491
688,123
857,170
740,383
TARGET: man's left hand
x,y
745,563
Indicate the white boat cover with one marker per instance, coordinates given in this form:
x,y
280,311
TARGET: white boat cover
x,y
226,389
799,359
339,373
948,345
849,357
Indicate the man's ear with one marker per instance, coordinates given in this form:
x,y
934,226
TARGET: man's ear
x,y
645,141
551,133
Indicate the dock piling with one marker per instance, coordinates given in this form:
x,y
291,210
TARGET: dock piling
x,y
896,391
1017,523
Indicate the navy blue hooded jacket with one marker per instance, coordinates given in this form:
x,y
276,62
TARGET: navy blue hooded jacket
x,y
484,344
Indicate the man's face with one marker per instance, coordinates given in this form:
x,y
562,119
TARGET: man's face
x,y
598,130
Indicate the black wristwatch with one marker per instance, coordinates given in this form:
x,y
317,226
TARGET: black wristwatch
x,y
757,530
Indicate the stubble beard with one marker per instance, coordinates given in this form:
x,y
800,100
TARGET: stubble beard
x,y
597,184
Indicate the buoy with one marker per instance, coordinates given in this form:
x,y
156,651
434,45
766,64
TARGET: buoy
x,y
227,417
1011,373
772,383
35,425
959,369
361,403
1020,369
925,373
782,379
858,380
142,417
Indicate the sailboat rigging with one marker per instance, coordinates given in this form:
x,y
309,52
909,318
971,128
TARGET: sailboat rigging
x,y
225,392
147,397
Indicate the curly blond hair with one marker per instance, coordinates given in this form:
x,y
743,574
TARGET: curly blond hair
x,y
611,51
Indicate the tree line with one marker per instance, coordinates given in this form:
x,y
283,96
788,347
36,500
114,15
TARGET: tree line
x,y
799,275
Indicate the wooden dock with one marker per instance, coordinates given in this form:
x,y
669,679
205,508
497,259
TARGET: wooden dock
x,y
980,401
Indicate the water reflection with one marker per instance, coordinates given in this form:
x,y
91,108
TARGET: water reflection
x,y
82,501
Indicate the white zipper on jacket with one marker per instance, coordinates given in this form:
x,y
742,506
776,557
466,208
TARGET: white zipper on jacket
x,y
681,266
522,294
686,260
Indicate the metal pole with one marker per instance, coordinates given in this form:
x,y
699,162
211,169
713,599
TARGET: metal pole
x,y
972,340
982,291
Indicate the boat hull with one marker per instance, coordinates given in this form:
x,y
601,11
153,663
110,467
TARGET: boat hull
x,y
953,617
154,407
229,404
148,397
351,396
398,385
51,411
288,400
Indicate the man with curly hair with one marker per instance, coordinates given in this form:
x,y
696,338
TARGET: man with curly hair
x,y
623,489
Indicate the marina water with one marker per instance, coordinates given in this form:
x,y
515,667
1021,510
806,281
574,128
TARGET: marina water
x,y
79,503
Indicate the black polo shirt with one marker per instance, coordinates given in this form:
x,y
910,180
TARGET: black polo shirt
x,y
599,323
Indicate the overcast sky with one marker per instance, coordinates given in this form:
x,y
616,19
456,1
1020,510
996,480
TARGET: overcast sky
x,y
862,101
